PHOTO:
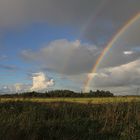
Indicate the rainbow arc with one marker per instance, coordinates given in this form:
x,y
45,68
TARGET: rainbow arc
x,y
106,50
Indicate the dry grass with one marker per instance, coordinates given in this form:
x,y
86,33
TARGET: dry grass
x,y
76,100
69,121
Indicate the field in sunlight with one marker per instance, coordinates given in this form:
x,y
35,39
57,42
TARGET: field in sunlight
x,y
77,100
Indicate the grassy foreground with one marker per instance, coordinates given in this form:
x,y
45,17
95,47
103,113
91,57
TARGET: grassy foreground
x,y
24,120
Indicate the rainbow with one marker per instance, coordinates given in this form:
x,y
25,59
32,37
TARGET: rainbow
x,y
106,49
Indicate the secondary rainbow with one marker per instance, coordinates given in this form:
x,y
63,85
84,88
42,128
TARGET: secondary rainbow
x,y
106,49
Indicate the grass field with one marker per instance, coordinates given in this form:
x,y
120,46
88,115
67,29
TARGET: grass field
x,y
116,118
77,100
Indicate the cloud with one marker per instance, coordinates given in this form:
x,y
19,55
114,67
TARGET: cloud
x,y
21,87
41,82
128,42
95,18
64,11
64,57
119,55
75,58
18,11
124,75
18,87
128,52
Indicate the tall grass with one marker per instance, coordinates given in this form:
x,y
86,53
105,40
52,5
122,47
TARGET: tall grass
x,y
95,100
69,121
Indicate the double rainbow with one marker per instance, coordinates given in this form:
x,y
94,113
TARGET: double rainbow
x,y
106,49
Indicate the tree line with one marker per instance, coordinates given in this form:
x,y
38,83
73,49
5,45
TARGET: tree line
x,y
62,93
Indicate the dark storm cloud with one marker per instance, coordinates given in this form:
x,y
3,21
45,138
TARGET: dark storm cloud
x,y
99,16
54,11
114,15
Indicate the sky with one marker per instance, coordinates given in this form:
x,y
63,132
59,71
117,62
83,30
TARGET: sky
x,y
54,44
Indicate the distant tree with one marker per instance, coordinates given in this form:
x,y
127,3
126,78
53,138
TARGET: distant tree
x,y
62,93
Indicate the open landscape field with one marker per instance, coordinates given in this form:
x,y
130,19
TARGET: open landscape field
x,y
98,100
116,118
69,69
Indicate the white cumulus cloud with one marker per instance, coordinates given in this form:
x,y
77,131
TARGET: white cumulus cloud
x,y
41,82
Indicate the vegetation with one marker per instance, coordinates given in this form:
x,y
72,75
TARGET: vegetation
x,y
62,93
66,115
69,121
97,100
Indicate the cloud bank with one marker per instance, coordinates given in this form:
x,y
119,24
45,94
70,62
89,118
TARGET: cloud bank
x,y
97,19
64,57
75,58
40,82
124,75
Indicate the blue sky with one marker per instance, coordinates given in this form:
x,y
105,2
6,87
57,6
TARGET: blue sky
x,y
31,37
14,69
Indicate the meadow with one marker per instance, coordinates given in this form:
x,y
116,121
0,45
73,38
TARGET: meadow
x,y
97,100
112,118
